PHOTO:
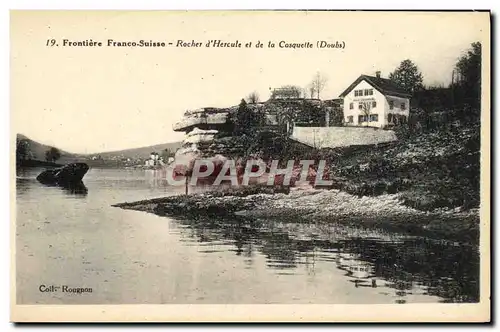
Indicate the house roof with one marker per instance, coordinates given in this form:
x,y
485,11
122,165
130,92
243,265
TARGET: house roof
x,y
383,85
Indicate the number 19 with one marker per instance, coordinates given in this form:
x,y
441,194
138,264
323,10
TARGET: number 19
x,y
51,42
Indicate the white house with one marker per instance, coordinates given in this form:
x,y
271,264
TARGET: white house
x,y
376,102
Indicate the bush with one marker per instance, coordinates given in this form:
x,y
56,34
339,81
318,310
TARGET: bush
x,y
402,131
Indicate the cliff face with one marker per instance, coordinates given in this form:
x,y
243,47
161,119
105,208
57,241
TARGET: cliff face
x,y
204,118
211,131
227,146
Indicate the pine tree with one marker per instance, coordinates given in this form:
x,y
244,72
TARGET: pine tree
x,y
408,76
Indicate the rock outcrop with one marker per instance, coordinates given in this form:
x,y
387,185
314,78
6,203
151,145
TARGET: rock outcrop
x,y
68,175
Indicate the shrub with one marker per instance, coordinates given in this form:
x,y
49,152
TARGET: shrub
x,y
402,131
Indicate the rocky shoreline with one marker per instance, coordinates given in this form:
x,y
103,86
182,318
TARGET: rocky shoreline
x,y
300,205
425,184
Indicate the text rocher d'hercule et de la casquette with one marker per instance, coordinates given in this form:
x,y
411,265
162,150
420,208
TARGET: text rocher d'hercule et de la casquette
x,y
182,43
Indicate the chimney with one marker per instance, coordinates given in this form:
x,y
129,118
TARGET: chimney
x,y
377,73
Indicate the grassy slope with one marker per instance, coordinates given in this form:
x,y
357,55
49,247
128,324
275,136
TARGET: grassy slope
x,y
434,169
437,169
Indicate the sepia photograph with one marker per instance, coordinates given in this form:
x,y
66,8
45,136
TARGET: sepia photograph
x,y
250,166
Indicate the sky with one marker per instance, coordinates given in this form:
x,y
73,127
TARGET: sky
x,y
94,99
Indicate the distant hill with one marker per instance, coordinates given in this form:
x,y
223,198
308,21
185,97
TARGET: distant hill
x,y
38,151
142,153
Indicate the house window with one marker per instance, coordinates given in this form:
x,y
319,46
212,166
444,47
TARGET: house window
x,y
368,92
350,119
362,118
374,104
389,117
374,117
391,104
351,106
403,106
360,106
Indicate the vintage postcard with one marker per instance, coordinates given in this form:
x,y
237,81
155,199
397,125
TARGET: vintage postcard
x,y
250,166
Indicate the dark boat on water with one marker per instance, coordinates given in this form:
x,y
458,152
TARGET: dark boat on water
x,y
66,176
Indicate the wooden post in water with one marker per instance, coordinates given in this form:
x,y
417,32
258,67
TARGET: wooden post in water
x,y
189,173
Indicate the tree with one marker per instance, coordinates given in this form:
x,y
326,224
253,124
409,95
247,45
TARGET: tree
x,y
52,154
318,84
336,116
22,149
311,90
366,107
408,76
165,154
310,114
286,117
469,72
246,119
253,98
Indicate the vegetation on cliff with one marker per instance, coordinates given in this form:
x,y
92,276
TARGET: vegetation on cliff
x,y
435,169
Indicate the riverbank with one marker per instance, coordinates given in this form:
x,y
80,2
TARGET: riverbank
x,y
36,163
318,206
425,184
432,170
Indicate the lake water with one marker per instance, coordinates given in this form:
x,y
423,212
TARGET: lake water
x,y
131,257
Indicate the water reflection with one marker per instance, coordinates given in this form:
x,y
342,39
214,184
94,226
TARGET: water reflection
x,y
26,179
23,185
241,261
447,270
78,189
403,266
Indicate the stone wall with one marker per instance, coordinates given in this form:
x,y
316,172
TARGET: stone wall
x,y
332,137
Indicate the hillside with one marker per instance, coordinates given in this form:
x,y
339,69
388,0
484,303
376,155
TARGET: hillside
x,y
38,151
436,169
140,153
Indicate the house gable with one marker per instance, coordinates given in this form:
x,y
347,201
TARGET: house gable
x,y
380,105
383,85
